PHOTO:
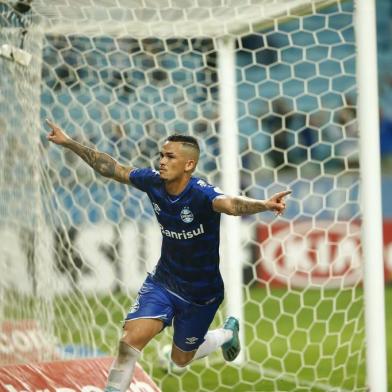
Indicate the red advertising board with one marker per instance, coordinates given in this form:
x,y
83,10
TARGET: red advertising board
x,y
388,250
86,375
23,341
307,254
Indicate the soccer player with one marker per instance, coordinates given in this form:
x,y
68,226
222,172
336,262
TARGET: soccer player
x,y
186,287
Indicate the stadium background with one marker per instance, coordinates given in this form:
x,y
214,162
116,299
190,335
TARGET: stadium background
x,y
105,74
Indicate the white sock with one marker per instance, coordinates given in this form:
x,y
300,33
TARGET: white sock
x,y
121,371
213,340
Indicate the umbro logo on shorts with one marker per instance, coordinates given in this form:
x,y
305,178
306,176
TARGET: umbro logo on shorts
x,y
191,340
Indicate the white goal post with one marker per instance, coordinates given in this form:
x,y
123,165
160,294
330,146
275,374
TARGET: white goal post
x,y
368,119
281,94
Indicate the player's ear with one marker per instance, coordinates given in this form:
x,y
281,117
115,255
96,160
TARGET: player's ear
x,y
190,165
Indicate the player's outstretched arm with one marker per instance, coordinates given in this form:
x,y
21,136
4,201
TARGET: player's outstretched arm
x,y
241,205
103,163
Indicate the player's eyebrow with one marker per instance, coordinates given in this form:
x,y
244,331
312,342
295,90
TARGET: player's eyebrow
x,y
161,153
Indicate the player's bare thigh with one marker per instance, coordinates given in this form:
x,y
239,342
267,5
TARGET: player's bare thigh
x,y
181,358
137,333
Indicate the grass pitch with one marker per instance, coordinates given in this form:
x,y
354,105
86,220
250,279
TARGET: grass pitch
x,y
295,341
310,340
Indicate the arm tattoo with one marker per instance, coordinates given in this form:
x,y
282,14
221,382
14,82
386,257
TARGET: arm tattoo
x,y
246,206
103,163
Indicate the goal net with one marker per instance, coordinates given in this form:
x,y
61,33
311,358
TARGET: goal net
x,y
123,75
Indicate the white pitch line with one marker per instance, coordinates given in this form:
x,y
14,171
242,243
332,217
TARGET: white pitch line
x,y
292,379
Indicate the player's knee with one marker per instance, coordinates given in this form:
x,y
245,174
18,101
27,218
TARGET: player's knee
x,y
181,362
137,333
182,359
134,339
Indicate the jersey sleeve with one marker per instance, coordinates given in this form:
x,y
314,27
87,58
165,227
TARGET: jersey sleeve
x,y
142,179
210,191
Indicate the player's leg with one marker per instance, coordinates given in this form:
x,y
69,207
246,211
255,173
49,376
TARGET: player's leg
x,y
137,333
151,312
225,338
192,340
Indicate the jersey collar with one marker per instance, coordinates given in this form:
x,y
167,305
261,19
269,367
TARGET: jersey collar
x,y
174,198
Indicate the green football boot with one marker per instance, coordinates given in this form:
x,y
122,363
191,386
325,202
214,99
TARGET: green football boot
x,y
232,348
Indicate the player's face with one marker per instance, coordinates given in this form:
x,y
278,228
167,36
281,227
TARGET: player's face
x,y
174,162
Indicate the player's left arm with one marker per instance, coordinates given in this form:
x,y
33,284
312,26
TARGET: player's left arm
x,y
241,205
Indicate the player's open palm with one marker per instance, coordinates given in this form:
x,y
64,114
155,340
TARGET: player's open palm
x,y
277,203
56,134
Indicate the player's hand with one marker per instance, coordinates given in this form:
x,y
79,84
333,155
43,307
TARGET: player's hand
x,y
56,134
277,203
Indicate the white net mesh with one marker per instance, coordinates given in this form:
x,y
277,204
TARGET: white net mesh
x,y
122,76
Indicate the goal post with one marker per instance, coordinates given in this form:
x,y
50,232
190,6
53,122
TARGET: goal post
x,y
281,95
231,180
368,120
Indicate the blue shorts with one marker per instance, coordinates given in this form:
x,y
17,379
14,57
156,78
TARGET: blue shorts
x,y
191,321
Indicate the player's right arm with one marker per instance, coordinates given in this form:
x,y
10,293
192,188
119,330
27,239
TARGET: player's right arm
x,y
101,162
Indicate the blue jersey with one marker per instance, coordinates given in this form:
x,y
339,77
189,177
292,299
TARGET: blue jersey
x,y
189,262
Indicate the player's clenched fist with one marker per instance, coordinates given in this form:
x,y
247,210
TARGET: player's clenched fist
x,y
56,134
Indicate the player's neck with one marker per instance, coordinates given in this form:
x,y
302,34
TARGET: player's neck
x,y
175,187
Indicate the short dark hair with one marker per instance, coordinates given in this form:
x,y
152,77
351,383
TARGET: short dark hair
x,y
189,140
